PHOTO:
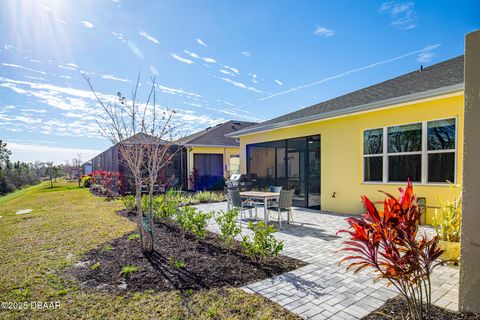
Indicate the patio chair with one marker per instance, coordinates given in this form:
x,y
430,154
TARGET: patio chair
x,y
236,202
284,205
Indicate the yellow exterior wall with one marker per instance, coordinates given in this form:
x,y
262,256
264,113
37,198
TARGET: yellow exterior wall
x,y
226,152
341,151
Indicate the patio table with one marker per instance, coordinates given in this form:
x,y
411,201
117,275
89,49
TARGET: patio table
x,y
263,196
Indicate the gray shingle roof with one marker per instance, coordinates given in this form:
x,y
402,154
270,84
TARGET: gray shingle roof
x,y
443,74
215,136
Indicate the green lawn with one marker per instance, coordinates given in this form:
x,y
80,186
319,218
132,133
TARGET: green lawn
x,y
65,223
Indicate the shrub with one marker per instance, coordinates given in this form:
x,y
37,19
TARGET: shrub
x,y
107,247
99,188
387,242
209,196
176,264
190,218
129,203
228,225
86,181
263,244
448,224
169,206
128,270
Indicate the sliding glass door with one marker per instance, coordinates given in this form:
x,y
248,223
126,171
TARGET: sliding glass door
x,y
292,164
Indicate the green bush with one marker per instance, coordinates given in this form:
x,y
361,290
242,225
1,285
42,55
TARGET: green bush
x,y
228,225
176,264
86,181
263,244
169,206
127,270
129,203
209,196
190,218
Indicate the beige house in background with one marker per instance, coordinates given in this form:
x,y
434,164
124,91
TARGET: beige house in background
x,y
211,156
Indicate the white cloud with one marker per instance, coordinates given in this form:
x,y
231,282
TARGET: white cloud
x,y
192,54
7,46
31,153
35,110
209,60
196,56
34,78
240,85
402,13
200,42
426,54
183,60
119,36
232,69
323,31
65,77
246,54
340,75
148,37
112,77
175,91
227,72
280,83
69,66
11,65
87,24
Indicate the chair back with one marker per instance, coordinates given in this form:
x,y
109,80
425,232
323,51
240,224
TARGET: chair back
x,y
275,189
235,199
286,198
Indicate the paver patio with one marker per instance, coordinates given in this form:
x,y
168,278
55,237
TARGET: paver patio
x,y
322,289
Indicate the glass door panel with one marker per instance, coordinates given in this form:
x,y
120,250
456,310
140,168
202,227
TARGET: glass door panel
x,y
296,164
313,169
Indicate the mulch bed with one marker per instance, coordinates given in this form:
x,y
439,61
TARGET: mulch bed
x,y
393,308
208,263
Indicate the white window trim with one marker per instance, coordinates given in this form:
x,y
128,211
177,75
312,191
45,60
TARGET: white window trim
x,y
424,153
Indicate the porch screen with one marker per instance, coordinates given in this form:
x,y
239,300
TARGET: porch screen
x,y
209,169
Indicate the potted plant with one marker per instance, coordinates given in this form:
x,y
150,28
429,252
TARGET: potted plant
x,y
447,223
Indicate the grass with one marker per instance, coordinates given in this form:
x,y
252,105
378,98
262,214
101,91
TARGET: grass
x,y
65,223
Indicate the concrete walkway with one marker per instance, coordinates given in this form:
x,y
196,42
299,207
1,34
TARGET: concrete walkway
x,y
322,289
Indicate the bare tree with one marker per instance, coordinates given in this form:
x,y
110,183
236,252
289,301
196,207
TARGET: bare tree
x,y
77,165
142,133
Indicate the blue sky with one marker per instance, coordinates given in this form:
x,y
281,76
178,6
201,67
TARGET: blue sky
x,y
214,60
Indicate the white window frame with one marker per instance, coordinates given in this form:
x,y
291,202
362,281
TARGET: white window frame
x,y
424,152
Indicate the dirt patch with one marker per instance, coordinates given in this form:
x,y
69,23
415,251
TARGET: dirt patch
x,y
180,261
393,308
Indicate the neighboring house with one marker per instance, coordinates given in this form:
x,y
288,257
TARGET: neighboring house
x,y
211,156
372,139
173,175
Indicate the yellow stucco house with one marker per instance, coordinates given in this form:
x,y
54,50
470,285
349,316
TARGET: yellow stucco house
x,y
372,139
212,156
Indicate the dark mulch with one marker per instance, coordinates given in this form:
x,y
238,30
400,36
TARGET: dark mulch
x,y
393,308
208,263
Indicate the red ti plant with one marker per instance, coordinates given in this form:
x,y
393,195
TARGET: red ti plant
x,y
387,242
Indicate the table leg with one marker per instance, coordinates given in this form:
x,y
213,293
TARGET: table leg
x,y
265,212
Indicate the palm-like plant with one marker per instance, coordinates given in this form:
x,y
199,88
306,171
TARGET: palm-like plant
x,y
387,242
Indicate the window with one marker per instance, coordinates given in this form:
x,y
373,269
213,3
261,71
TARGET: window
x,y
422,152
234,164
441,150
373,158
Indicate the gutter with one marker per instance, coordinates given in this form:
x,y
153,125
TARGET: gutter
x,y
351,110
211,145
